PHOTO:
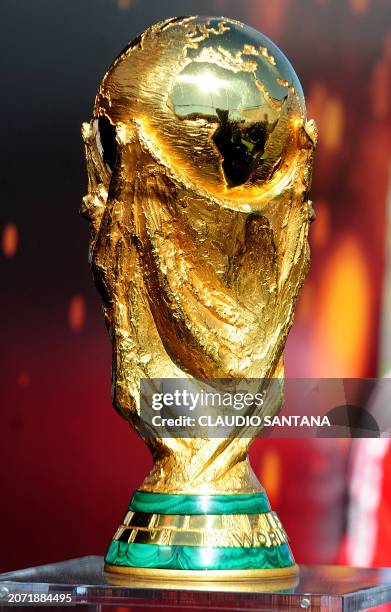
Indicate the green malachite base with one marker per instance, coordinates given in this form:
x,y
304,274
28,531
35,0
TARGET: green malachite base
x,y
130,554
198,557
162,503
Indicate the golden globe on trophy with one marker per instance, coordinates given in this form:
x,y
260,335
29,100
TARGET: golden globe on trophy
x,y
199,158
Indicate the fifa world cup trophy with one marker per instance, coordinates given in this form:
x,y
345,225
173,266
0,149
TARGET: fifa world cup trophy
x,y
199,158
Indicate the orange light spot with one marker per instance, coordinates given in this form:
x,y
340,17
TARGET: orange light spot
x,y
333,119
328,112
343,314
10,240
270,474
271,16
76,313
123,5
320,229
359,7
24,379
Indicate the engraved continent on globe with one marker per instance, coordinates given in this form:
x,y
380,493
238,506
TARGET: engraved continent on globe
x,y
216,101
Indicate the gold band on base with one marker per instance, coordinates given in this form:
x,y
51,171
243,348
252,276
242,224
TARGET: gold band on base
x,y
279,578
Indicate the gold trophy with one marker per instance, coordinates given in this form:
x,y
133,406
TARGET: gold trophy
x,y
199,159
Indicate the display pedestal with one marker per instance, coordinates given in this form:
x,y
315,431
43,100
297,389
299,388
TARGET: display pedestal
x,y
320,588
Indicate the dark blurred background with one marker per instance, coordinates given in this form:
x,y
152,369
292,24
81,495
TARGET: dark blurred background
x,y
68,462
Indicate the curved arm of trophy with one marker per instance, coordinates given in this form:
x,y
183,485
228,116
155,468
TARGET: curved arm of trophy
x,y
218,283
221,283
114,257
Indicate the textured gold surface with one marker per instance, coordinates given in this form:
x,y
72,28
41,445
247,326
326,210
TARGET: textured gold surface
x,y
198,256
260,580
204,530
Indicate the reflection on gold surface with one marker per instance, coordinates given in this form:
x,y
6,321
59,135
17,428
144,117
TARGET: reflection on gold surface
x,y
199,160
